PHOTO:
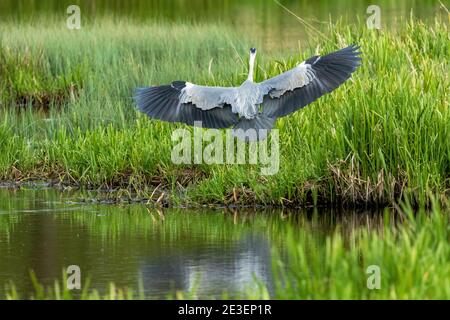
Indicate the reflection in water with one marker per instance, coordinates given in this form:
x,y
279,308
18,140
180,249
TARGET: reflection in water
x,y
213,251
210,267
265,22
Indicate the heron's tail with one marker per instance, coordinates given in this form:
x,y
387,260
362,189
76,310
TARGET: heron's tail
x,y
255,129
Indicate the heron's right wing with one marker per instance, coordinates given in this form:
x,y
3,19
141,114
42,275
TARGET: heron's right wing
x,y
189,103
308,81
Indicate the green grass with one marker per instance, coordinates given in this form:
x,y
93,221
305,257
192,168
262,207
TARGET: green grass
x,y
67,116
412,257
411,248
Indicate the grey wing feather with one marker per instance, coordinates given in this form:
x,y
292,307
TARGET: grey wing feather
x,y
172,103
205,97
287,81
307,82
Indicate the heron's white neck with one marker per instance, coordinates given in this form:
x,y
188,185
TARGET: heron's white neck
x,y
251,65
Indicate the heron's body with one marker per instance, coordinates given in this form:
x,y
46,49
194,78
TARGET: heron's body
x,y
247,99
222,107
244,100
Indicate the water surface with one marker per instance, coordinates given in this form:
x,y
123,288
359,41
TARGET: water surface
x,y
272,26
168,250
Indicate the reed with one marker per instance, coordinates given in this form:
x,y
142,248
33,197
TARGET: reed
x,y
67,116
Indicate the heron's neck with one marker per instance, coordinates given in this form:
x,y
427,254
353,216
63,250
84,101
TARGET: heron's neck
x,y
251,65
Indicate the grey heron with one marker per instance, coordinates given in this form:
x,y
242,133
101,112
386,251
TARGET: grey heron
x,y
251,105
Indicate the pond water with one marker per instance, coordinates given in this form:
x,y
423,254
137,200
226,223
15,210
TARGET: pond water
x,y
167,250
272,24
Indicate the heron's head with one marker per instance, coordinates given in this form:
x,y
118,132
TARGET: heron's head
x,y
252,50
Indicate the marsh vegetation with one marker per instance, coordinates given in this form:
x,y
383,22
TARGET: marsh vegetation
x,y
67,120
381,136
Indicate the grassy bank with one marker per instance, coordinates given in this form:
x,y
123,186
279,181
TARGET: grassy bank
x,y
66,114
410,248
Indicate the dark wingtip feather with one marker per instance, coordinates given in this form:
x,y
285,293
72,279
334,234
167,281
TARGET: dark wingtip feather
x,y
162,103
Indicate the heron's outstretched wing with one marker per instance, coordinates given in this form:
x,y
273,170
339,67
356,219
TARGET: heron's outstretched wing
x,y
188,103
308,81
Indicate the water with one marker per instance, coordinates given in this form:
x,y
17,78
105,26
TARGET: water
x,y
168,250
267,23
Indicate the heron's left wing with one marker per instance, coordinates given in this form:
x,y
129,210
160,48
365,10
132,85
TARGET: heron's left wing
x,y
308,81
188,103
